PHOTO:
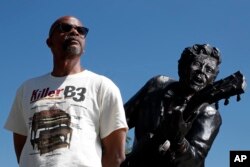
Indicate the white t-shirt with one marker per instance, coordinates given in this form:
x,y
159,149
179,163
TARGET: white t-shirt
x,y
64,119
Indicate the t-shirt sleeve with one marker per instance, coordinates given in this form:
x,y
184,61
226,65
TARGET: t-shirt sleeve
x,y
112,115
15,121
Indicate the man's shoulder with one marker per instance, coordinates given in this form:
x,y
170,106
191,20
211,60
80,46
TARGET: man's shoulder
x,y
211,111
101,80
159,82
99,77
36,79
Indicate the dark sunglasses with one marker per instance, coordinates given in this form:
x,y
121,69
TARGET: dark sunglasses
x,y
64,27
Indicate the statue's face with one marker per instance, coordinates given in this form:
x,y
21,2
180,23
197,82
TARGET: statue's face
x,y
201,72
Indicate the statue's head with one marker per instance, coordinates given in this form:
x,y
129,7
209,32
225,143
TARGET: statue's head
x,y
198,66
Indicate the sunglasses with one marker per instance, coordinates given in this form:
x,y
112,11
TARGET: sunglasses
x,y
64,27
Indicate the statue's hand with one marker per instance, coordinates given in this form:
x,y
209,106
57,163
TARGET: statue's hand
x,y
177,128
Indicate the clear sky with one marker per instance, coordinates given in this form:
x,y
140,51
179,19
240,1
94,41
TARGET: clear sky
x,y
130,41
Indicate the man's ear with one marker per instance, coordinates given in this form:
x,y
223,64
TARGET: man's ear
x,y
49,42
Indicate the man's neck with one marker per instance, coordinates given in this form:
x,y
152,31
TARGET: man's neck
x,y
66,67
185,91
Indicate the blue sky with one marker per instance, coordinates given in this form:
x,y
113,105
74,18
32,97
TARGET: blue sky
x,y
130,41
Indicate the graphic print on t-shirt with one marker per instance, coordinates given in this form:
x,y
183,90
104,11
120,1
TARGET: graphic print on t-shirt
x,y
51,127
50,130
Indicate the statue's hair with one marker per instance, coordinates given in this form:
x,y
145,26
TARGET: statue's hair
x,y
190,53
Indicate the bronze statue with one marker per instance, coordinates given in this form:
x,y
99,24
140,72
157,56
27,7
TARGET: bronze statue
x,y
176,122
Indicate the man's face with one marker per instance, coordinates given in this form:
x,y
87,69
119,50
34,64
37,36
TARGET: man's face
x,y
66,39
201,72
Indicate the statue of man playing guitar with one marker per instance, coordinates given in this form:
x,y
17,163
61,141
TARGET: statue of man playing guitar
x,y
176,122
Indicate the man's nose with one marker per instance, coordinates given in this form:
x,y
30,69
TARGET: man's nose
x,y
73,31
203,68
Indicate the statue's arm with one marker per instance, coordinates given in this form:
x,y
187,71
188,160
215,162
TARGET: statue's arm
x,y
199,139
132,106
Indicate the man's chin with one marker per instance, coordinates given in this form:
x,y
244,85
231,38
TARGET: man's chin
x,y
73,51
196,88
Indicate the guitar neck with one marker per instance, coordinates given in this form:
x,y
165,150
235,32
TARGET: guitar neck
x,y
221,89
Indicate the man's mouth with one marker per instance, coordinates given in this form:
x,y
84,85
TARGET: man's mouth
x,y
71,40
198,80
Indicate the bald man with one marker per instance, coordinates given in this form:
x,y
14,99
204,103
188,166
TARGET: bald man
x,y
70,116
